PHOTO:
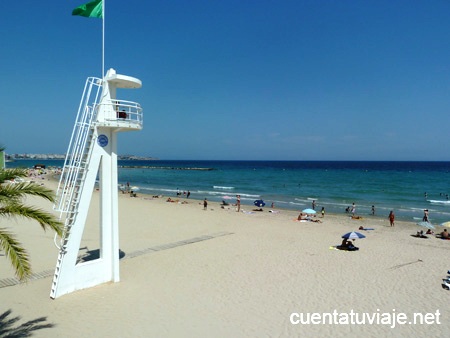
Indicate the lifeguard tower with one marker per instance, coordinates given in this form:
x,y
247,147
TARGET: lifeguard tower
x,y
92,154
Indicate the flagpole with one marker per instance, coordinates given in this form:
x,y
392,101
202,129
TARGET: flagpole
x,y
103,39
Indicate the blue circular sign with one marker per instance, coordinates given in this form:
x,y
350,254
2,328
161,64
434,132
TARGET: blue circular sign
x,y
102,140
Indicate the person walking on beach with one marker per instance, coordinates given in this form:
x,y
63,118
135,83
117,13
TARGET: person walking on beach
x,y
323,212
353,209
188,194
314,204
391,218
238,202
425,215
205,204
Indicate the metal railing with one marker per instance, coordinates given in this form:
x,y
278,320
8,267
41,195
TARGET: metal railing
x,y
79,146
125,111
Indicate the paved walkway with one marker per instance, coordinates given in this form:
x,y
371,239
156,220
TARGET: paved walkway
x,y
49,273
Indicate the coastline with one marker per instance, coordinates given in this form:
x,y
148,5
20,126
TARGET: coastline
x,y
245,278
397,186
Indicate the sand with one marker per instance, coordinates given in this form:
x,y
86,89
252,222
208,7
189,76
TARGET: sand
x,y
188,272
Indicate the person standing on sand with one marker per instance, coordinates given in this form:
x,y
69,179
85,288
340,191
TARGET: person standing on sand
x,y
314,204
323,212
391,218
238,202
353,209
425,215
373,210
205,204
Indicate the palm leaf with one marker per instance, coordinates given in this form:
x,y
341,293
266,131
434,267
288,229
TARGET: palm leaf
x,y
45,219
15,192
16,253
10,174
11,196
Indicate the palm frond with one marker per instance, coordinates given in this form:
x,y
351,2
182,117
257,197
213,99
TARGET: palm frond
x,y
20,190
45,219
10,174
11,197
16,253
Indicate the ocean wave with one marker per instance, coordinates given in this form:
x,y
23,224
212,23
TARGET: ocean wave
x,y
223,188
219,193
439,202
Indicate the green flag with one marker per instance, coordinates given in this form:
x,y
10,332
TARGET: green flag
x,y
92,9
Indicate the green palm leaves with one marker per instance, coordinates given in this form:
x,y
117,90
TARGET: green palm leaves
x,y
11,205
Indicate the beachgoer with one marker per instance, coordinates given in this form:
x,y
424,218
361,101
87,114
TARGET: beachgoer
x,y
353,209
391,218
238,202
347,210
373,210
314,205
205,204
323,212
188,194
444,234
301,217
425,215
346,244
429,232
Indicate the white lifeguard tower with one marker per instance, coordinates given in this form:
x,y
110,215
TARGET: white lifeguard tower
x,y
92,153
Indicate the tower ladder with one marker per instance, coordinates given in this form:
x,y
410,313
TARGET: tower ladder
x,y
71,182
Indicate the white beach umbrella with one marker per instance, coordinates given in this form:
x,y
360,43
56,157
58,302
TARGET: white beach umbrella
x,y
446,224
427,225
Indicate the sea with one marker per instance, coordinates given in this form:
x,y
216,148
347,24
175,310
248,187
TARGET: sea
x,y
407,188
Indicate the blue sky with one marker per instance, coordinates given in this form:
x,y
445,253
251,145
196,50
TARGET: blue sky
x,y
237,79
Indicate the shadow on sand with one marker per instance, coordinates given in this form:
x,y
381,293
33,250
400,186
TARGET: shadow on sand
x,y
26,329
90,255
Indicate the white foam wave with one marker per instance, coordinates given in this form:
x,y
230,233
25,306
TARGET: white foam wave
x,y
222,188
439,202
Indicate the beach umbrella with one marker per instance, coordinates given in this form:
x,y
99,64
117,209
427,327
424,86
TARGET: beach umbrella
x,y
446,224
227,197
134,188
353,235
309,211
426,225
259,203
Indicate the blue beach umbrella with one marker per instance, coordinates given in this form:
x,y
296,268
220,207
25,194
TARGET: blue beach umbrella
x,y
259,203
353,235
309,211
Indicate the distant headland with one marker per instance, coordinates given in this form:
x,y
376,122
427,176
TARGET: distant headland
x,y
14,157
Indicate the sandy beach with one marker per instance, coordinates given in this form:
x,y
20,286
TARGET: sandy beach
x,y
187,272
